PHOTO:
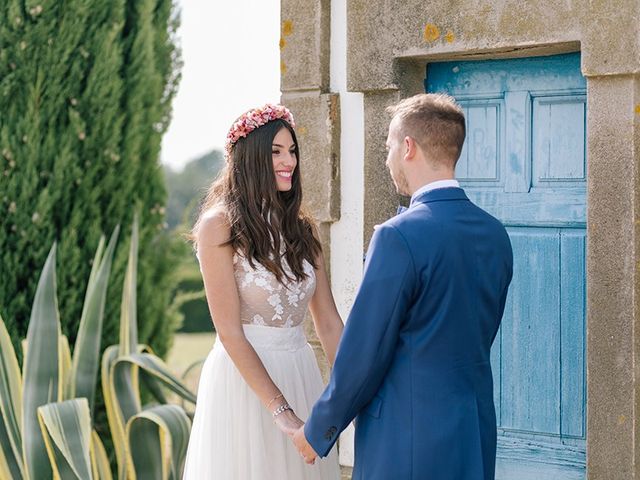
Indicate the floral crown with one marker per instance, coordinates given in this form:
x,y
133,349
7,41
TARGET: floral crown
x,y
253,119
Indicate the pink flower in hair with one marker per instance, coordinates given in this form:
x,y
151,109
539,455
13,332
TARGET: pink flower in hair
x,y
253,119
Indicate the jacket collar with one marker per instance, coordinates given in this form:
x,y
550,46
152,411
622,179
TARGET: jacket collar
x,y
440,195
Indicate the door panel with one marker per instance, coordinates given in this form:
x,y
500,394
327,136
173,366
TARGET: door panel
x,y
558,141
479,160
573,314
530,341
524,162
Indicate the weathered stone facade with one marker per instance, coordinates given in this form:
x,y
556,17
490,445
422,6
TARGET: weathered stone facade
x,y
388,47
304,65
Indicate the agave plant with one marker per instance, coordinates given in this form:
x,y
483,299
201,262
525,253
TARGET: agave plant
x,y
47,409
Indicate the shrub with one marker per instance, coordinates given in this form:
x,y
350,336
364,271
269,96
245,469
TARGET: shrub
x,y
46,426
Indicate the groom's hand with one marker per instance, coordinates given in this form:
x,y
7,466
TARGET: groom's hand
x,y
305,449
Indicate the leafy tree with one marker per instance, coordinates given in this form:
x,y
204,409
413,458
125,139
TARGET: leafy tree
x,y
85,94
186,188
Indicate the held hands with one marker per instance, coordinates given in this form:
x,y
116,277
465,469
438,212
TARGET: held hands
x,y
283,416
304,447
289,423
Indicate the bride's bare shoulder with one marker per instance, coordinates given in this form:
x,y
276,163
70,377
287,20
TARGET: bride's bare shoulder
x,y
214,227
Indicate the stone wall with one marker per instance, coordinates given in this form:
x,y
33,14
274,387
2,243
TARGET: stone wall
x,y
389,45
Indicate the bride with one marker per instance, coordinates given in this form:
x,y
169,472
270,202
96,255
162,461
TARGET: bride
x,y
262,267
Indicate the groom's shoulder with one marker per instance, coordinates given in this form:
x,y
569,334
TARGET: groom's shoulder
x,y
488,218
405,225
416,217
394,226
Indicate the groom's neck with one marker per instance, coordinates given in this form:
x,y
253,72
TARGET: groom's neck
x,y
418,181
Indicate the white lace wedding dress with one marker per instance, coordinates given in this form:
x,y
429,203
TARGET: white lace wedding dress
x,y
233,436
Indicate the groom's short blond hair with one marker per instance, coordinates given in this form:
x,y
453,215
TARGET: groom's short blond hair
x,y
435,121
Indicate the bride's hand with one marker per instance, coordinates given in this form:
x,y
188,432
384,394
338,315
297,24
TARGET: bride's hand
x,y
288,422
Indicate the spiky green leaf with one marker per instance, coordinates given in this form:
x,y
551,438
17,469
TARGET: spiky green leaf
x,y
99,459
154,366
11,464
117,422
86,355
158,438
41,379
65,367
66,428
128,310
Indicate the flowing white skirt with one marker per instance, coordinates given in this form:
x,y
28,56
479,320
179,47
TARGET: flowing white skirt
x,y
233,436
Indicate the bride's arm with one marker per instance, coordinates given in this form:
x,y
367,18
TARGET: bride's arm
x,y
216,261
324,312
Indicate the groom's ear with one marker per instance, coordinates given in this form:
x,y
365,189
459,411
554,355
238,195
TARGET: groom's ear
x,y
410,147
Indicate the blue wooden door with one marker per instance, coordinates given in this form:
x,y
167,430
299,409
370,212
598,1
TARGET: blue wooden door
x,y
524,162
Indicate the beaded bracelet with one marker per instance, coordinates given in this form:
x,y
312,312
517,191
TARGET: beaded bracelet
x,y
281,409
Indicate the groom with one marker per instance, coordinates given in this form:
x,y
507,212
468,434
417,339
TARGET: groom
x,y
413,364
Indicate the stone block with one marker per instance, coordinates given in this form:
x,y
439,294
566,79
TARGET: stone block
x,y
304,45
613,265
610,37
381,33
317,118
380,197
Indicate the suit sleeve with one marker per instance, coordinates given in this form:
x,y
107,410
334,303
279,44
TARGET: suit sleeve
x,y
369,339
505,291
503,297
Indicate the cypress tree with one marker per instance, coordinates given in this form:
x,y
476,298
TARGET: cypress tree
x,y
85,93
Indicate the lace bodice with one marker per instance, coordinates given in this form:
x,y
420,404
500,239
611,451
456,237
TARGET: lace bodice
x,y
265,301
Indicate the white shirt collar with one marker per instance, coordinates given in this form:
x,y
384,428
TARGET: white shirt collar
x,y
433,186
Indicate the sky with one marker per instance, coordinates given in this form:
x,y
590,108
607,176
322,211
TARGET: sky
x,y
231,64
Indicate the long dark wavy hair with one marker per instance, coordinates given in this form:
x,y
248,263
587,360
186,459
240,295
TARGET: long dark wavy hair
x,y
260,216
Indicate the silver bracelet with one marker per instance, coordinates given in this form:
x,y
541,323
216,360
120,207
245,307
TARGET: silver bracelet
x,y
281,409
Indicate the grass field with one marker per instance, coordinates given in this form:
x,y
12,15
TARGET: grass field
x,y
187,349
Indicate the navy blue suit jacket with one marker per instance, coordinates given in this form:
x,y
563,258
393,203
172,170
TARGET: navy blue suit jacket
x,y
413,363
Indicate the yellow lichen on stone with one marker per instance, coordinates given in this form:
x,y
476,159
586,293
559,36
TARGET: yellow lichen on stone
x,y
287,28
282,43
637,109
431,32
449,37
283,67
